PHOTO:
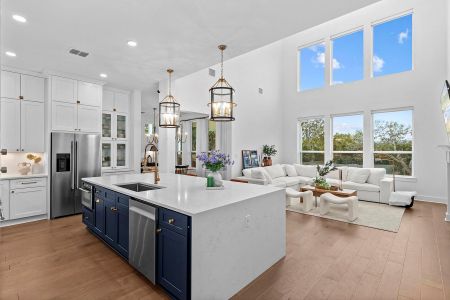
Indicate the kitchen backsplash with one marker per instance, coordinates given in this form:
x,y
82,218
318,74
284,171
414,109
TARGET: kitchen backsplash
x,y
12,159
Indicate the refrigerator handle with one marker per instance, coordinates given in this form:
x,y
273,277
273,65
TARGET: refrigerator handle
x,y
73,165
76,164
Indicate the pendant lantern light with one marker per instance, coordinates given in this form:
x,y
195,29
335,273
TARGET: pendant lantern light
x,y
222,94
169,108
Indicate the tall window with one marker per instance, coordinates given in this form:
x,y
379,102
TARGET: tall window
x,y
393,141
179,146
312,141
211,135
311,67
392,46
348,58
194,144
348,140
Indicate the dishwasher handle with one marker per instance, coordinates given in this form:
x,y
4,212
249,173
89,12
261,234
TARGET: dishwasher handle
x,y
143,212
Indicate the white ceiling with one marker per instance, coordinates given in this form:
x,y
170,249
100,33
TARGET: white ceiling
x,y
181,34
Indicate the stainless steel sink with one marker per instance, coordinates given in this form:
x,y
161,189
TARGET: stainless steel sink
x,y
139,187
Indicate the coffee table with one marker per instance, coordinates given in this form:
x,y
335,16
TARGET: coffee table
x,y
318,192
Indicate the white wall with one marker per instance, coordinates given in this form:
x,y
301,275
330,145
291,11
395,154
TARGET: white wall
x,y
271,118
258,116
419,88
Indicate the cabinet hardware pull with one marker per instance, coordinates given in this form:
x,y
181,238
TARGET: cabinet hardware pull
x,y
29,182
23,150
171,221
114,208
21,97
114,109
97,200
78,101
12,192
158,230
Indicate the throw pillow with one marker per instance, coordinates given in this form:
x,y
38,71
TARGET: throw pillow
x,y
335,174
275,171
358,175
306,171
260,173
376,174
290,170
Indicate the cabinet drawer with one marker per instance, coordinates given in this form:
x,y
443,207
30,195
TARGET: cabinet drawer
x,y
100,192
27,202
174,221
27,183
88,217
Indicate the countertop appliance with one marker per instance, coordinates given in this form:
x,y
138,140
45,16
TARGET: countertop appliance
x,y
142,238
73,156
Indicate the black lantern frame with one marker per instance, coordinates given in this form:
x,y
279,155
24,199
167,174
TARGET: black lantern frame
x,y
169,109
221,103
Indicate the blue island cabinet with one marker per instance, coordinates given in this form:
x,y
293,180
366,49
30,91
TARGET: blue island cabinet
x,y
111,219
174,253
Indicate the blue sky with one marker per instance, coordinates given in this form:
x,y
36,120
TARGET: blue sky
x,y
347,124
392,53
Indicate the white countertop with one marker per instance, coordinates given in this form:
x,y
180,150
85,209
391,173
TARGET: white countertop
x,y
184,194
8,176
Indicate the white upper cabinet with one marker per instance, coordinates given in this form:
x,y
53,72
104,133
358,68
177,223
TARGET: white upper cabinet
x,y
89,118
122,102
116,100
10,124
10,87
64,89
108,100
32,88
64,116
32,126
89,94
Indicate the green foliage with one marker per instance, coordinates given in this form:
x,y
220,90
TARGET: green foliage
x,y
313,136
326,168
269,151
321,182
348,141
392,136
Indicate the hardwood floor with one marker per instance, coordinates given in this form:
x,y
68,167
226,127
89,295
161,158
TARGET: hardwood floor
x,y
325,259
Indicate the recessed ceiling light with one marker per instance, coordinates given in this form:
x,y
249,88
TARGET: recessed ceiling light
x,y
9,53
103,75
19,18
132,43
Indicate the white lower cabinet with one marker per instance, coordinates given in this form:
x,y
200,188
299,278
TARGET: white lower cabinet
x,y
27,198
4,200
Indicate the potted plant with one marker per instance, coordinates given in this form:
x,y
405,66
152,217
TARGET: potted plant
x,y
320,182
214,162
268,151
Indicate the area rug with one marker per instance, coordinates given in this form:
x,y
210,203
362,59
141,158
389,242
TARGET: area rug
x,y
375,215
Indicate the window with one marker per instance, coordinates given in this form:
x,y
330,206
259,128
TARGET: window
x,y
312,141
348,140
392,46
211,135
194,144
179,145
393,142
311,67
348,58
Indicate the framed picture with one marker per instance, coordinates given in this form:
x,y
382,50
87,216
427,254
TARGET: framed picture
x,y
250,159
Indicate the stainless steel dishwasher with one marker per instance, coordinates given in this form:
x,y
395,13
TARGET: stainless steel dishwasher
x,y
142,238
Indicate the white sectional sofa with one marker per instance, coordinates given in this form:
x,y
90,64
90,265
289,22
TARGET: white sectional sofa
x,y
371,184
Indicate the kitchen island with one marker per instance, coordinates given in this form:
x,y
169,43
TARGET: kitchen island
x,y
230,236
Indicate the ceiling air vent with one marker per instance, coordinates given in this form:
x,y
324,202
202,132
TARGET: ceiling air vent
x,y
212,72
78,52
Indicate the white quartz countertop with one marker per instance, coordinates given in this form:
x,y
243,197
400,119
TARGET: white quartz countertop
x,y
7,176
185,194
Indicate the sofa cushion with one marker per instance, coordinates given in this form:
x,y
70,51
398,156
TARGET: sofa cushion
x,y
275,171
248,172
305,170
376,174
361,186
279,184
358,175
290,170
261,173
332,181
335,174
288,181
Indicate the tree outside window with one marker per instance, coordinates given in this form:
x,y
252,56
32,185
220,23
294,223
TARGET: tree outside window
x,y
312,142
348,140
211,136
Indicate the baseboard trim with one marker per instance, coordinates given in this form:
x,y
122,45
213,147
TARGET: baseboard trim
x,y
22,220
432,199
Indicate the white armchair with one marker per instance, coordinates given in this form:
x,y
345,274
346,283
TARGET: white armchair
x,y
386,188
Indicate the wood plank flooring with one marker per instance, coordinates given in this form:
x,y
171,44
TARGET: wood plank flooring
x,y
325,259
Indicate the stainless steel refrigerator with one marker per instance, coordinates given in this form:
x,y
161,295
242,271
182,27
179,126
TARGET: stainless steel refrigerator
x,y
73,156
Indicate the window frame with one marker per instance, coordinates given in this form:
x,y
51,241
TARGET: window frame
x,y
190,138
300,139
332,151
372,127
299,48
337,36
385,20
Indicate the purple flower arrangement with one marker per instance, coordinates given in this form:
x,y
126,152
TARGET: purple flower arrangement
x,y
215,160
